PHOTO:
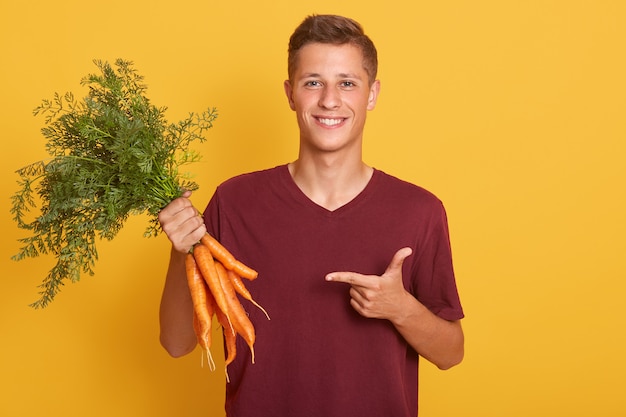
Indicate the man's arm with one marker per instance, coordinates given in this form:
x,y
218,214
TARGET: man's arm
x,y
184,227
439,341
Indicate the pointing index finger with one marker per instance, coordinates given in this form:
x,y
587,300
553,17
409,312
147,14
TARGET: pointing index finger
x,y
347,277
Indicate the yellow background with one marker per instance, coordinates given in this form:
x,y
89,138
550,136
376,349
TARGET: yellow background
x,y
513,112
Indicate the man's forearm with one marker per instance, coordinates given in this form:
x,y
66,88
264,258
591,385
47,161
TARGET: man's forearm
x,y
438,340
176,311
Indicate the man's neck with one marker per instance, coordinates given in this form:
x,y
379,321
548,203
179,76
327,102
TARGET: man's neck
x,y
330,184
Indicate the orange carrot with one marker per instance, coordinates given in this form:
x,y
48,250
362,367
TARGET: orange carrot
x,y
202,307
230,340
206,264
198,291
239,318
206,345
202,314
210,305
227,259
241,289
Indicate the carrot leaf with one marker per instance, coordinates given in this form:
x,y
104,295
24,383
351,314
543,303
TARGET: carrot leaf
x,y
112,154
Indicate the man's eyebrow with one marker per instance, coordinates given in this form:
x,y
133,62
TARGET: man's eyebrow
x,y
349,75
310,75
340,75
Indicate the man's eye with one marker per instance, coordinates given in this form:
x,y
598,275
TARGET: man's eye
x,y
347,84
312,84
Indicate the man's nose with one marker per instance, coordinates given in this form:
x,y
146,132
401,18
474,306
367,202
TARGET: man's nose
x,y
330,98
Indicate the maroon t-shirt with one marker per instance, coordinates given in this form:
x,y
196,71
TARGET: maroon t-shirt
x,y
317,356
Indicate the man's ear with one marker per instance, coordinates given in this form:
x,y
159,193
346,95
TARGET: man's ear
x,y
289,92
373,97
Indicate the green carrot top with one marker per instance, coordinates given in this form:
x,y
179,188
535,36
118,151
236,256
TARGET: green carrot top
x,y
113,154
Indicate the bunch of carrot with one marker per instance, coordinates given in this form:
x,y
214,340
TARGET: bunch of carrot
x,y
214,277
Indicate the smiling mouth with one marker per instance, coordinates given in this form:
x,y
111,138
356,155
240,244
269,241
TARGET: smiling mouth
x,y
329,122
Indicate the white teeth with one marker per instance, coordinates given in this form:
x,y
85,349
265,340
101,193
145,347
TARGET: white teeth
x,y
330,122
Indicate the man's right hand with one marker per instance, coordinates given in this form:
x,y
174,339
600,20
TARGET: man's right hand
x,y
182,223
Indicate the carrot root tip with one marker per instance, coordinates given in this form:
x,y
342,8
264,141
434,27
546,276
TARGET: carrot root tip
x,y
262,309
210,359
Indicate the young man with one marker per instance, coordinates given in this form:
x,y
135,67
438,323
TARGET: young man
x,y
354,265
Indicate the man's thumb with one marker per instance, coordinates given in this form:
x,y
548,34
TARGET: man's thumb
x,y
398,260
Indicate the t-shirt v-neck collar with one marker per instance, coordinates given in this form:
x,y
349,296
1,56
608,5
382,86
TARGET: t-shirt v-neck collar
x,y
305,201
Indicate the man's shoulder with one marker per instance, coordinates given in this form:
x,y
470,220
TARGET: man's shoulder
x,y
253,178
406,189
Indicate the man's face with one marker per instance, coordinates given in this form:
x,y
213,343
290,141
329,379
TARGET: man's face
x,y
331,95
